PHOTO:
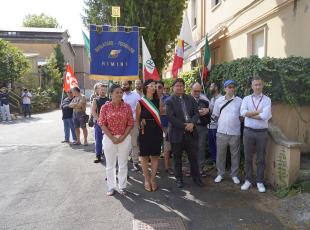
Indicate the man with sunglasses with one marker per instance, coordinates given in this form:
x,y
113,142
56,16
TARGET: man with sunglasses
x,y
227,112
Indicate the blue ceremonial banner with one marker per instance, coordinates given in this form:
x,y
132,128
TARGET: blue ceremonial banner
x,y
114,54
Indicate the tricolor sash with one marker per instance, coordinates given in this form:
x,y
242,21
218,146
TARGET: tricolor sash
x,y
149,105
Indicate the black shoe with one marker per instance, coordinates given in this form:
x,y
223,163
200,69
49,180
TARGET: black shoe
x,y
98,160
180,184
199,182
64,141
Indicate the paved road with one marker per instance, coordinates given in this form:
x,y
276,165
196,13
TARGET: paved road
x,y
48,185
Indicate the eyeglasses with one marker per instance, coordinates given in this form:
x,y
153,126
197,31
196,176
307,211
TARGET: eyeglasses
x,y
159,87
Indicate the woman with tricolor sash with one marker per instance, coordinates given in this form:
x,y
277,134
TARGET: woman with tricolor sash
x,y
150,133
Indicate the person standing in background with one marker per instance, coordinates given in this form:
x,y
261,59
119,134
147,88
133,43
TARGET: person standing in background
x,y
164,123
26,97
204,120
67,114
138,87
5,104
97,103
132,99
212,127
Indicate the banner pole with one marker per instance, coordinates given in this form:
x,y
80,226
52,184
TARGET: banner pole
x,y
201,79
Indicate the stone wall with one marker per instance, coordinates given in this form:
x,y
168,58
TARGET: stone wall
x,y
294,122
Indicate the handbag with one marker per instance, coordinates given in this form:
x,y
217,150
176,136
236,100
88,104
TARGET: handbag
x,y
91,122
86,117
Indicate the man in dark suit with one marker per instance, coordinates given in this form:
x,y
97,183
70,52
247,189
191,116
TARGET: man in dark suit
x,y
183,115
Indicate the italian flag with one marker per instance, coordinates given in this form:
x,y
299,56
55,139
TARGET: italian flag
x,y
207,58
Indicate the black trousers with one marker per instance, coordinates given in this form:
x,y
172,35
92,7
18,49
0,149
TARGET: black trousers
x,y
189,144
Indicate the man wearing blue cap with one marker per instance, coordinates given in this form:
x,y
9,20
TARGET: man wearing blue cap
x,y
256,109
227,112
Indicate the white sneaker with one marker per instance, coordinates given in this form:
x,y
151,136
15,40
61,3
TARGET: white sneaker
x,y
247,184
236,180
261,187
218,179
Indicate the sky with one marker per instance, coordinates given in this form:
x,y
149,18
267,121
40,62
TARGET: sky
x,y
67,12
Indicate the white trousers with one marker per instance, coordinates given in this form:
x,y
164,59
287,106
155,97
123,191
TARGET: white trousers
x,y
5,112
116,153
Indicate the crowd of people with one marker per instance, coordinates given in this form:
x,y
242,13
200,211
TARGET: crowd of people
x,y
146,122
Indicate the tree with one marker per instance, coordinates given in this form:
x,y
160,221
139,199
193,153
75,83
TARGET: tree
x,y
162,19
41,21
13,64
60,59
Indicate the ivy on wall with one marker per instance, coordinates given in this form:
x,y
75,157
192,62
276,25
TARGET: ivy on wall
x,y
286,80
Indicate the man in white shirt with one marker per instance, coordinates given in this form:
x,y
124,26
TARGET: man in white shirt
x,y
138,87
26,96
132,98
256,109
227,112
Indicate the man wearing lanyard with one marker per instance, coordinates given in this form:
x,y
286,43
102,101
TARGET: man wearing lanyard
x,y
256,109
227,112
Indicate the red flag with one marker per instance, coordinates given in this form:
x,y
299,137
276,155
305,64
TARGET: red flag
x,y
178,58
70,80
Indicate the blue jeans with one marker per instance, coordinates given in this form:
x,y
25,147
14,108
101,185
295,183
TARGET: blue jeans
x,y
98,139
68,125
27,109
212,143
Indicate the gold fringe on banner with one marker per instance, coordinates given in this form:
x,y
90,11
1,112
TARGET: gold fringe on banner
x,y
112,78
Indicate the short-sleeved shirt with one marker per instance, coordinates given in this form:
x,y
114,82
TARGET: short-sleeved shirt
x,y
132,99
116,118
26,98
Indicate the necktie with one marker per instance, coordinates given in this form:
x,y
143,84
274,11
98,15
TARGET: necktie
x,y
185,113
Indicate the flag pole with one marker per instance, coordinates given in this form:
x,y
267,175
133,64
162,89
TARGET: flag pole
x,y
62,93
201,79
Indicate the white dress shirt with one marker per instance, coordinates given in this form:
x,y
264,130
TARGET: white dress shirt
x,y
262,104
132,99
228,120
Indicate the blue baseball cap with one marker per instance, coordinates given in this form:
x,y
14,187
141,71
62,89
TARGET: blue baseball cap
x,y
229,82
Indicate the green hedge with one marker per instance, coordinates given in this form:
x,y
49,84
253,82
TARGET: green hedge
x,y
286,79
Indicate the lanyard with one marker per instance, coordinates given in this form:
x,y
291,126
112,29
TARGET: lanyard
x,y
256,107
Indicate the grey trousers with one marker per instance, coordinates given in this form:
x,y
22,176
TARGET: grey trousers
x,y
254,142
222,142
202,136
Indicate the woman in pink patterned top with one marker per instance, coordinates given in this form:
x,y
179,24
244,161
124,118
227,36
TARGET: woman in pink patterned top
x,y
116,122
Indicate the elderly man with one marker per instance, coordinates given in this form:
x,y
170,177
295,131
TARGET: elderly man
x,y
227,112
5,105
256,109
204,120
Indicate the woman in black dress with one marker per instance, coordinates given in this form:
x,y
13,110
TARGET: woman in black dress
x,y
150,133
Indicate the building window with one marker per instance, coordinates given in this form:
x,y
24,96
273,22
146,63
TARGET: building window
x,y
215,56
215,4
257,42
194,13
